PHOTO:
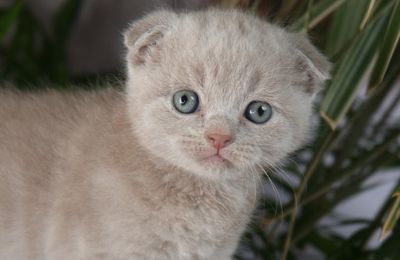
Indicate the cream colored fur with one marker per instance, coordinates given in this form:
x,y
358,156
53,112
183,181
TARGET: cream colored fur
x,y
116,175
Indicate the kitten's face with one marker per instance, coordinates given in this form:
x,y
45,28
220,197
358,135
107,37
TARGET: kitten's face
x,y
218,93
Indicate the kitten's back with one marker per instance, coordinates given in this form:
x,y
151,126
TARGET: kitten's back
x,y
41,120
35,134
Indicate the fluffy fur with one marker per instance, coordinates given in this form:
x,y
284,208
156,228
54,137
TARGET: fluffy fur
x,y
120,175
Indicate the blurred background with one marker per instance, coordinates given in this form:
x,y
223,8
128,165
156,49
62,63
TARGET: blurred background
x,y
337,198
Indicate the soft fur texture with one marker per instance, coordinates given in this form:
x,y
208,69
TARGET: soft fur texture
x,y
112,175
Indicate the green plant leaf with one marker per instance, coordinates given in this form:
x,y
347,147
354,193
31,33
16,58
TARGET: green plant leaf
x,y
8,18
356,221
345,83
389,249
345,25
393,216
326,243
318,12
389,44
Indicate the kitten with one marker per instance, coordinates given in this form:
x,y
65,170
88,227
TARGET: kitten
x,y
169,168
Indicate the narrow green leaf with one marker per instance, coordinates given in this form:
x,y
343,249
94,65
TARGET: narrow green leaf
x,y
377,11
356,221
371,7
308,13
8,18
393,216
390,41
345,83
326,243
389,249
317,13
345,24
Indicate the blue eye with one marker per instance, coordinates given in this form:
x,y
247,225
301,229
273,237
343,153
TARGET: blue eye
x,y
258,112
186,101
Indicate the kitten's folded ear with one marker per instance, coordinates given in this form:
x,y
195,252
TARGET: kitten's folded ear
x,y
312,62
144,35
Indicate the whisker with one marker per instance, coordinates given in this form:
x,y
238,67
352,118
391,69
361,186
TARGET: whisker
x,y
276,192
280,172
255,173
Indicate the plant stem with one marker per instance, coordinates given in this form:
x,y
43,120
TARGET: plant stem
x,y
297,196
317,194
308,14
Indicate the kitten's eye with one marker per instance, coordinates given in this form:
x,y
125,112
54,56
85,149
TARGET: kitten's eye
x,y
186,101
258,112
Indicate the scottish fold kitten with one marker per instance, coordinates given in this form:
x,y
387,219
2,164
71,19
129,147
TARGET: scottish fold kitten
x,y
169,168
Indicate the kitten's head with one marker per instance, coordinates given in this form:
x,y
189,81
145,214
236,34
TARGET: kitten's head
x,y
220,92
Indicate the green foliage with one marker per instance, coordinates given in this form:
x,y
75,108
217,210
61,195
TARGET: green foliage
x,y
29,54
393,215
346,81
358,36
32,55
387,48
7,18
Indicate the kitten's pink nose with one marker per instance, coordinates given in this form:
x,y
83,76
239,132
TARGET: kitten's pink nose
x,y
219,140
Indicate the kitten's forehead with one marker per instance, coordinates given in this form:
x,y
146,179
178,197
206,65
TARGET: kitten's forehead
x,y
230,55
234,35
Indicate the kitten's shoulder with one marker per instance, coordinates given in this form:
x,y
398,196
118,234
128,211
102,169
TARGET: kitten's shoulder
x,y
14,100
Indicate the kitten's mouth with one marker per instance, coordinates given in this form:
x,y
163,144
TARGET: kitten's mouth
x,y
216,160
